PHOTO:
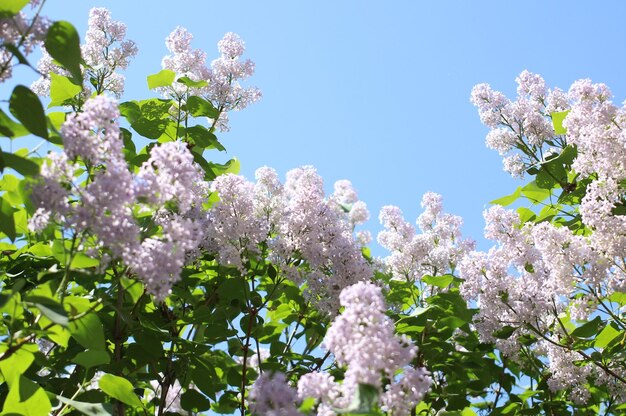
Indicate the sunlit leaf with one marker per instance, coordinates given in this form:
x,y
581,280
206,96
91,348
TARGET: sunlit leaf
x,y
119,388
26,107
63,44
163,78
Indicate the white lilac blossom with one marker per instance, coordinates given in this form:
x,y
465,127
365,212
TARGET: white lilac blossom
x,y
105,51
298,224
594,125
222,77
94,134
362,339
345,193
521,124
172,397
234,228
22,31
49,195
224,89
271,395
527,281
183,60
169,185
169,170
401,397
435,251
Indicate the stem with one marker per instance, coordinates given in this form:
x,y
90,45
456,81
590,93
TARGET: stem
x,y
118,335
68,262
582,353
6,64
246,345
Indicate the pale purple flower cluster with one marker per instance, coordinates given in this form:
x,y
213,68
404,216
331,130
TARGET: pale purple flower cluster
x,y
526,278
235,229
172,397
184,60
168,189
223,90
271,395
49,196
524,124
104,52
529,282
21,31
348,201
435,251
94,134
362,339
297,223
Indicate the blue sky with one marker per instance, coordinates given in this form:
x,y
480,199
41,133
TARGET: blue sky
x,y
378,92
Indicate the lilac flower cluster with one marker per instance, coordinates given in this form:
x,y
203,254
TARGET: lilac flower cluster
x,y
23,32
529,282
297,224
168,188
105,51
435,251
223,75
184,60
272,396
522,125
362,339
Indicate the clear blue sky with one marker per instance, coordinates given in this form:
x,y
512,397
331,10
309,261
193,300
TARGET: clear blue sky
x,y
378,92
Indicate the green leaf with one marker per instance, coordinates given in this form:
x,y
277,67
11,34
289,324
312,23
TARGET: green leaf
x,y
56,119
199,107
153,118
50,309
26,107
203,138
307,405
7,223
131,110
18,363
191,83
504,332
88,331
509,199
26,398
10,8
194,401
232,166
618,297
438,281
89,409
534,193
83,261
608,334
16,52
9,128
525,214
21,165
588,329
163,78
545,180
363,402
63,44
62,90
557,122
91,358
119,388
